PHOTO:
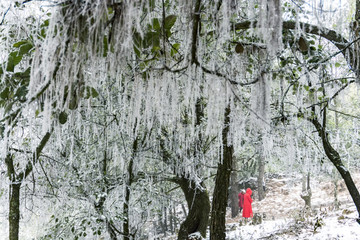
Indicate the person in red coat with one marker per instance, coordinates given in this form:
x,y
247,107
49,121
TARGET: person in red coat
x,y
241,199
247,209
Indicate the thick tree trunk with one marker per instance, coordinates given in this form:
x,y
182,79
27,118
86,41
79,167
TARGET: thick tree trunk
x,y
198,202
222,181
14,211
335,158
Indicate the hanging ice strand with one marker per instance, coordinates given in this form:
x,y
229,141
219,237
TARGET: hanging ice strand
x,y
270,30
270,25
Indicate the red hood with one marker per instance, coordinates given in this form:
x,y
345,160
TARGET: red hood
x,y
248,191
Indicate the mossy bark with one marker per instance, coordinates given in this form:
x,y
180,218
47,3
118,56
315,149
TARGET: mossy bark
x,y
198,202
222,182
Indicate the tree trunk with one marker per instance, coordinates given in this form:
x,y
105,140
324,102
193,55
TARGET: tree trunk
x,y
335,158
336,200
222,181
306,191
198,202
171,220
261,170
14,211
126,227
234,191
15,184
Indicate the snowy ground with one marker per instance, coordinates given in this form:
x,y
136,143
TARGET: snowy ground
x,y
285,218
282,208
335,225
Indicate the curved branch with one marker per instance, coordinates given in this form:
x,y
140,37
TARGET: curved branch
x,y
331,35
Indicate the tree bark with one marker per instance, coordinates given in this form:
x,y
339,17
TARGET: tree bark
x,y
261,169
234,191
128,182
14,211
195,31
198,202
306,190
222,181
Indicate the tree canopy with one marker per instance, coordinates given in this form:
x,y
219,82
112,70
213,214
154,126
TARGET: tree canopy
x,y
120,111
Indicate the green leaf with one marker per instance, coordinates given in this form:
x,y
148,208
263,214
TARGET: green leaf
x,y
156,24
13,60
169,22
94,93
137,51
20,43
137,39
152,38
175,49
8,107
337,65
63,117
306,88
106,46
21,93
5,93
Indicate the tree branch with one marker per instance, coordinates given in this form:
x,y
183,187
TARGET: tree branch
x,y
337,39
35,157
195,31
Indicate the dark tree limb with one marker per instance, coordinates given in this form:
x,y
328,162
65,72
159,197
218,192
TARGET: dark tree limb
x,y
335,158
334,37
195,31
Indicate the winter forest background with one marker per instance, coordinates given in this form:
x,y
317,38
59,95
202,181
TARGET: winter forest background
x,y
143,119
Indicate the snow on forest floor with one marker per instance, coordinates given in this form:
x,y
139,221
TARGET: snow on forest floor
x,y
286,218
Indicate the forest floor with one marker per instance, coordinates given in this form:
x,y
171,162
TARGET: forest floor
x,y
285,217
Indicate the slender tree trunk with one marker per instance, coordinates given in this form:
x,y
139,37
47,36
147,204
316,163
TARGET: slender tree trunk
x,y
128,182
261,169
171,220
336,200
14,211
222,181
306,190
335,158
234,191
15,184
198,202
126,227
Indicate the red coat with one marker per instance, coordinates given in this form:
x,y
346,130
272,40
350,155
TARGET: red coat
x,y
241,200
247,209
